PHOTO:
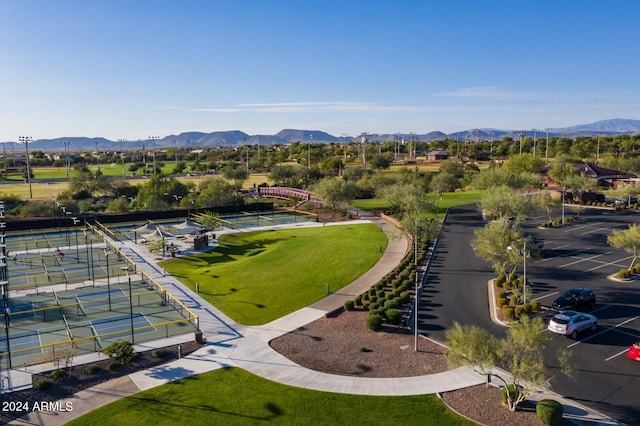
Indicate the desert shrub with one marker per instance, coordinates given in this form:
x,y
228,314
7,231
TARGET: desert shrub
x,y
380,294
114,365
374,321
349,305
502,301
389,296
636,269
520,310
365,296
623,273
159,353
527,308
501,294
394,316
57,374
535,305
513,300
404,297
357,300
510,392
373,306
549,412
500,280
91,369
392,304
121,350
508,313
379,286
41,384
372,292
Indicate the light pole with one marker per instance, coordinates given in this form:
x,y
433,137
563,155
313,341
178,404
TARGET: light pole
x,y
524,272
106,256
126,270
76,221
26,140
546,149
66,155
153,140
5,309
121,142
415,309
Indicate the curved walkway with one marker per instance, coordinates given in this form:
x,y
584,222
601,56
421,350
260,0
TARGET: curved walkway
x,y
247,347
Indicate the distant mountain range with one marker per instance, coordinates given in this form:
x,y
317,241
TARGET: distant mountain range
x,y
236,137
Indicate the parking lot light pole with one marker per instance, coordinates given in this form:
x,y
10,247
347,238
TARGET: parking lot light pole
x,y
415,309
524,272
126,271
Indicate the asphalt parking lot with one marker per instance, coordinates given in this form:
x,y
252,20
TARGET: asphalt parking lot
x,y
576,255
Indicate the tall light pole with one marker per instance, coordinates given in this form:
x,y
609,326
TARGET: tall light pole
x,y
126,270
106,256
415,309
121,142
535,135
546,149
153,139
4,285
26,140
66,155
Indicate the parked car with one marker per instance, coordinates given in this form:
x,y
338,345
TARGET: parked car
x,y
570,323
577,299
634,351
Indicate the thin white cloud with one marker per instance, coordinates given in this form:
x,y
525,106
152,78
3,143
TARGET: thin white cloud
x,y
490,93
279,107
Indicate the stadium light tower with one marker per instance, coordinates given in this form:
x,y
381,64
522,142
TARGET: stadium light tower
x,y
153,140
26,140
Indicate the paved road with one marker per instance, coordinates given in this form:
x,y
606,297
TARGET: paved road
x,y
575,255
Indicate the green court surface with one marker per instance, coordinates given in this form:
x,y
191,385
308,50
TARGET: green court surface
x,y
88,318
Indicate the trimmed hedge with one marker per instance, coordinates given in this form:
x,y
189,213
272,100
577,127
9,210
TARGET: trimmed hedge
x,y
549,412
374,321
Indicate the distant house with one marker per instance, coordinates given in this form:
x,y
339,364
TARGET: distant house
x,y
604,177
437,156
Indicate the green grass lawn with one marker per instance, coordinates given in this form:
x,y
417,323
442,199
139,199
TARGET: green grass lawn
x,y
449,199
257,277
232,396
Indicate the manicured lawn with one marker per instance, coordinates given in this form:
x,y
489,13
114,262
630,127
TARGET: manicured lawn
x,y
449,199
258,277
232,396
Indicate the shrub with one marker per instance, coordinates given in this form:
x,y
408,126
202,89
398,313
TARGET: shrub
x,y
114,365
41,384
379,286
394,316
57,374
635,270
159,353
623,273
500,280
389,296
501,294
374,321
508,313
365,296
121,350
520,310
91,369
373,306
392,304
527,308
380,294
502,301
405,297
349,305
358,300
549,412
535,305
513,300
372,292
512,391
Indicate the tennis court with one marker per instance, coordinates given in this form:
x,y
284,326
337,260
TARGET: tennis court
x,y
87,318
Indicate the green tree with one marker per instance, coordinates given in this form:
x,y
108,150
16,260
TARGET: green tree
x,y
628,240
334,191
493,243
504,202
520,353
548,203
445,182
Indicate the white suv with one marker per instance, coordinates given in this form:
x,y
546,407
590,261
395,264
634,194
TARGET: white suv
x,y
570,323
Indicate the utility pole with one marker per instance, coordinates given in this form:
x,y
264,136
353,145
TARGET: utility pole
x,y
27,140
546,149
121,142
153,140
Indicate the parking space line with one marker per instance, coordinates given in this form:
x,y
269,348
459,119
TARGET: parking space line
x,y
564,255
604,331
616,355
578,228
605,264
580,259
546,295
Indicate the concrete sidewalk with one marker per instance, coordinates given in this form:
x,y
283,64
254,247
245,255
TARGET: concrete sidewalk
x,y
231,344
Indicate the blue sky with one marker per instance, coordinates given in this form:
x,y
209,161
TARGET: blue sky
x,y
134,68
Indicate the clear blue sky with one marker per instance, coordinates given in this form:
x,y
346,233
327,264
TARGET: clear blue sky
x,y
134,68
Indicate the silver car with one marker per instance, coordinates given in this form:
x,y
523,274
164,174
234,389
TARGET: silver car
x,y
570,323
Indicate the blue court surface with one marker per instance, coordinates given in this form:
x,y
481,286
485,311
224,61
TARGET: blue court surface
x,y
100,299
19,341
121,323
21,309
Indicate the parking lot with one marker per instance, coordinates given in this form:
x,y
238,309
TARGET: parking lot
x,y
578,255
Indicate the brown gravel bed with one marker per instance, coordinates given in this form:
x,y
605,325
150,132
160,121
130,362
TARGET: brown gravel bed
x,y
333,345
80,380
